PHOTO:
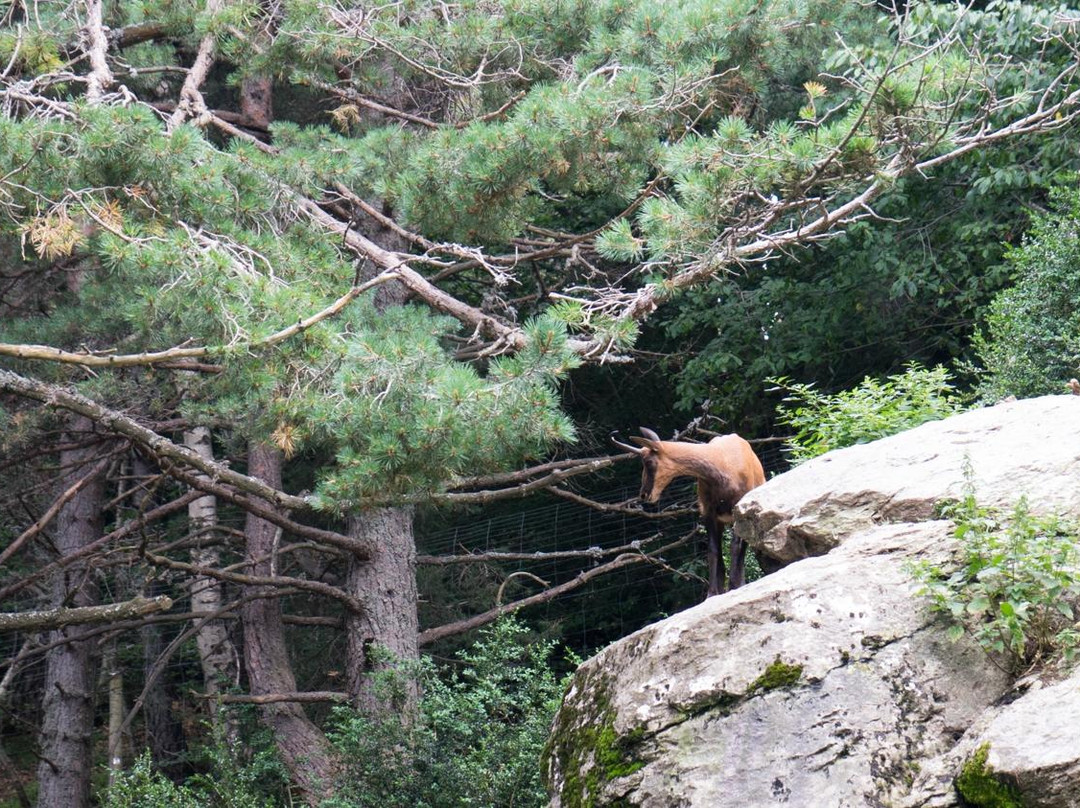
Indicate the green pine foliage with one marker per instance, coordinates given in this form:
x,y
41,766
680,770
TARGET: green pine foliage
x,y
1030,342
874,409
177,244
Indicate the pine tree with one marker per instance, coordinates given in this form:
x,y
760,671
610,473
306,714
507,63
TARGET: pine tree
x,y
203,202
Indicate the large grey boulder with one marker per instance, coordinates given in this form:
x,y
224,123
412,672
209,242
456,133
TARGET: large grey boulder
x,y
1029,447
828,683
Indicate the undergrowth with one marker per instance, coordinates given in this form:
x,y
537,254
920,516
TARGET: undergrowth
x,y
1016,586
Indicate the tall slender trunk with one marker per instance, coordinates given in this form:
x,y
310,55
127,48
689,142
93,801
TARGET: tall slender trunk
x,y
164,735
302,746
164,732
67,704
115,744
217,653
386,632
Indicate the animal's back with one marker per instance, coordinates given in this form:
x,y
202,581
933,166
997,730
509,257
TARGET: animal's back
x,y
737,456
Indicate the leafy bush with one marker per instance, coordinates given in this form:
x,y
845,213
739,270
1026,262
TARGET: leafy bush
x,y
141,787
229,781
1030,343
476,742
874,409
1015,588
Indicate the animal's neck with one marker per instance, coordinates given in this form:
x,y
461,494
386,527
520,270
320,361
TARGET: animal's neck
x,y
691,465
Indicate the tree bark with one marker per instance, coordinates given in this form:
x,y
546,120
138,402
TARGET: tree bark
x,y
67,704
386,632
217,653
302,746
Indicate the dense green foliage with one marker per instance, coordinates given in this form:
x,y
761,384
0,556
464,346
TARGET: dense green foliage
x,y
874,409
907,287
1030,344
228,777
484,719
483,722
1016,585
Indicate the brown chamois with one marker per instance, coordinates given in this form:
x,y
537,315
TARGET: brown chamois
x,y
725,469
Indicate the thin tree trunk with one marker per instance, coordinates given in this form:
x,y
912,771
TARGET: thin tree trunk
x,y
164,732
302,746
116,711
67,704
217,653
386,633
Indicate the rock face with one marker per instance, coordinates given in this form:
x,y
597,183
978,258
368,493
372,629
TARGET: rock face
x,y
828,683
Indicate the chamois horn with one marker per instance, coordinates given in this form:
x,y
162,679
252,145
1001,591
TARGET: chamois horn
x,y
635,449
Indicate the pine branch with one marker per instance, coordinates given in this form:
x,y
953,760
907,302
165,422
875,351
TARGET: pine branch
x,y
555,476
206,485
606,507
594,553
53,510
121,532
507,478
309,697
53,619
317,587
170,356
450,629
100,76
157,445
191,102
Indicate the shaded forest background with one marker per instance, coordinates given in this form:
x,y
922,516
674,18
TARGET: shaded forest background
x,y
316,318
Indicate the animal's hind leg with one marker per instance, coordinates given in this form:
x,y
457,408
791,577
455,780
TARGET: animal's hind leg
x,y
715,558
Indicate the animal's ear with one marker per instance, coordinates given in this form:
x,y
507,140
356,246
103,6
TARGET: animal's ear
x,y
645,443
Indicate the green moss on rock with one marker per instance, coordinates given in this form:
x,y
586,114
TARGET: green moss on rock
x,y
981,788
779,674
588,750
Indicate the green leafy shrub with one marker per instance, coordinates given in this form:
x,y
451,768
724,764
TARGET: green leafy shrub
x,y
874,409
141,787
477,741
1030,342
227,780
1016,586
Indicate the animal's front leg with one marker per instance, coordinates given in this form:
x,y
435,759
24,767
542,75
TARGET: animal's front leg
x,y
715,557
738,561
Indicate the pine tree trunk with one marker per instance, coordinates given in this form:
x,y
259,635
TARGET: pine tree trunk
x,y
217,653
67,704
386,585
301,745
